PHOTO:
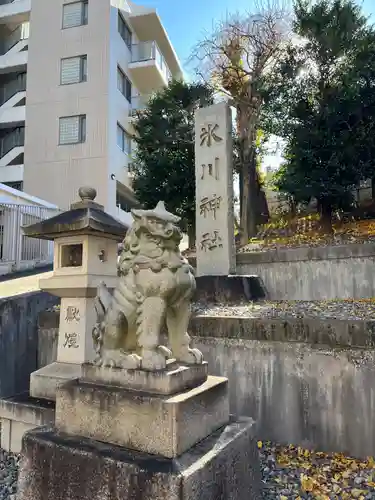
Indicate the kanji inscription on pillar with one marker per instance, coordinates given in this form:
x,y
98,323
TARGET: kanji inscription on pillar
x,y
215,246
75,337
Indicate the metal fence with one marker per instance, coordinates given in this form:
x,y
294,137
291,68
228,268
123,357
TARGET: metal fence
x,y
17,248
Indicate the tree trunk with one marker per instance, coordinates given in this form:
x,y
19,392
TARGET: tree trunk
x,y
325,210
191,236
248,176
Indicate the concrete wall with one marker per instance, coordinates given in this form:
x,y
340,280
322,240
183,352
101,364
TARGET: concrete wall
x,y
19,339
314,273
305,381
55,172
310,383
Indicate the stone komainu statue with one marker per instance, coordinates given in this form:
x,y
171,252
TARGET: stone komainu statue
x,y
155,283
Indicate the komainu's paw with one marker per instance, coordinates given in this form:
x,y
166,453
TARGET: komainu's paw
x,y
153,360
167,353
120,359
190,356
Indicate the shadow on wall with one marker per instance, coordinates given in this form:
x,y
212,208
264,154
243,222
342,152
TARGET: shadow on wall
x,y
19,339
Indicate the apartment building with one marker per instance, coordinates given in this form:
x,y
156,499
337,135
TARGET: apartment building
x,y
72,73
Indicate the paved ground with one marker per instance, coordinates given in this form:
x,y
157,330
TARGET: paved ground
x,y
22,285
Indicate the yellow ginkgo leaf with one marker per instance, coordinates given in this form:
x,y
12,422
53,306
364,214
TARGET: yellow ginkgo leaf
x,y
307,483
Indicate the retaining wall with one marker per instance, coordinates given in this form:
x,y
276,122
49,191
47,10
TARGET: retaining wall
x,y
314,273
19,339
305,381
331,272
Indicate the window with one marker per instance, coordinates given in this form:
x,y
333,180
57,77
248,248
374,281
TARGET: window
x,y
72,129
124,84
75,14
73,70
124,31
124,140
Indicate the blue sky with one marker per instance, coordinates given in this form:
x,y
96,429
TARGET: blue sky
x,y
187,20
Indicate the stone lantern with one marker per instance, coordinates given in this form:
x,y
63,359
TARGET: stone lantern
x,y
85,254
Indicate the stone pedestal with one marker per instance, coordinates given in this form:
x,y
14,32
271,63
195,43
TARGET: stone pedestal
x,y
56,466
45,381
19,414
164,425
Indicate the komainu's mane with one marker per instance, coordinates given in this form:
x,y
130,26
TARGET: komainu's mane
x,y
158,257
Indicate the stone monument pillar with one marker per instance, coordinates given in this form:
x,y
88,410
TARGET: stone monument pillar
x,y
144,420
215,247
85,252
215,241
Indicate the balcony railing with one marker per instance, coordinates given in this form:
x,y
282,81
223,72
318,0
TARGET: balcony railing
x,y
149,51
20,33
11,88
139,103
13,139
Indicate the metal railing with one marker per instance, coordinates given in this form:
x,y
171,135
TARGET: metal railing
x,y
12,87
139,103
149,51
20,33
15,247
13,139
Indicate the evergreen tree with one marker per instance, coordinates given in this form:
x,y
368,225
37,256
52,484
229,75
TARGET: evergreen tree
x,y
322,101
165,160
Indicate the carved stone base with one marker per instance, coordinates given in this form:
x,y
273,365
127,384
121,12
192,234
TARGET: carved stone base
x,y
56,466
176,378
158,424
45,381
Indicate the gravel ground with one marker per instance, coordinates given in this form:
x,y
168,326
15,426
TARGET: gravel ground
x,y
8,475
322,309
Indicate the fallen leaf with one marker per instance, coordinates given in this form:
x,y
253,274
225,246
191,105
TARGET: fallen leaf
x,y
307,483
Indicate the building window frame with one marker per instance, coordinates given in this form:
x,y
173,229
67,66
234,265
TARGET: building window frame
x,y
84,7
82,77
81,136
125,32
124,85
123,140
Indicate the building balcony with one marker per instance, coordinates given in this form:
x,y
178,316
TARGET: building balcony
x,y
13,50
12,102
148,68
12,156
139,103
12,116
148,26
14,11
11,174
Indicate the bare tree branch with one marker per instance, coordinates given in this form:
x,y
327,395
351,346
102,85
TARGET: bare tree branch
x,y
234,59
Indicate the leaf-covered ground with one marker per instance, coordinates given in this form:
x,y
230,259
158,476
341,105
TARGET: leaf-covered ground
x,y
306,231
291,472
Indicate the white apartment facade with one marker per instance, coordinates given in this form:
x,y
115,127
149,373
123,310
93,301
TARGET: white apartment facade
x,y
71,75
